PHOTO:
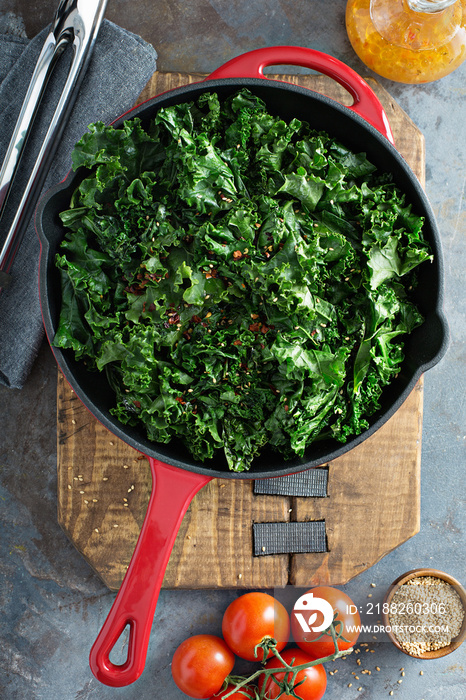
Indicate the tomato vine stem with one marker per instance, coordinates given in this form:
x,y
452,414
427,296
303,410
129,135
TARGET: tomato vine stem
x,y
288,685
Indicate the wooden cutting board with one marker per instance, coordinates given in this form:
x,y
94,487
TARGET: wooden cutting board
x,y
373,498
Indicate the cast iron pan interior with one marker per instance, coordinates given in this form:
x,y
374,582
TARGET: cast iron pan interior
x,y
423,348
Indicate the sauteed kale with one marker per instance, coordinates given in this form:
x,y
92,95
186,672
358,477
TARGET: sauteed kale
x,y
243,281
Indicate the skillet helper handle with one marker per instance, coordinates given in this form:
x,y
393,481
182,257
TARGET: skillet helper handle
x,y
251,65
135,603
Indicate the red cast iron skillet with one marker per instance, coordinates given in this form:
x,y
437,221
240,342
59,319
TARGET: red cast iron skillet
x,y
176,476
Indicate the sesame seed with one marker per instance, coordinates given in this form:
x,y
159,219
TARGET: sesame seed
x,y
350,685
421,673
85,501
73,421
81,492
115,525
377,668
399,681
96,529
373,585
69,486
105,478
240,575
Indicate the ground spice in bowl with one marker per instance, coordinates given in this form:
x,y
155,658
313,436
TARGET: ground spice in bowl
x,y
425,613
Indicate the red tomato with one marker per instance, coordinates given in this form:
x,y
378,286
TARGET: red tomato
x,y
201,664
347,614
251,618
315,677
235,696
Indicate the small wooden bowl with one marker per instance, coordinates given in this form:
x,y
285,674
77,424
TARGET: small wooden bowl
x,y
456,641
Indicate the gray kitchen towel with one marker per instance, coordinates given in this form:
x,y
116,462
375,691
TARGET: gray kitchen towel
x,y
120,66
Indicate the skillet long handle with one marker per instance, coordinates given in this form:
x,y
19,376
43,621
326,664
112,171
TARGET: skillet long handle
x,y
172,491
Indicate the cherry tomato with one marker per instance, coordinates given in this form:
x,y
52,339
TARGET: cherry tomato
x,y
236,696
201,664
252,618
315,677
347,614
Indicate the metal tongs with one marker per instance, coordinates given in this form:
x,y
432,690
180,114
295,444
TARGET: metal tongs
x,y
76,23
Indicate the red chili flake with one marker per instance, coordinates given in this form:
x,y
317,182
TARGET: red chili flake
x,y
237,255
237,342
286,407
174,318
186,335
264,329
196,319
137,404
255,327
178,398
313,332
152,306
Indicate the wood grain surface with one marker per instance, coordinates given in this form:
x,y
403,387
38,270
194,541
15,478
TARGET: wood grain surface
x,y
373,502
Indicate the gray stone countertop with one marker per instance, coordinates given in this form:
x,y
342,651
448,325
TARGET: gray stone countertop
x,y
52,604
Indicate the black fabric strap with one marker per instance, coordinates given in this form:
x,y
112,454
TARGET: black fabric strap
x,y
312,482
289,538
